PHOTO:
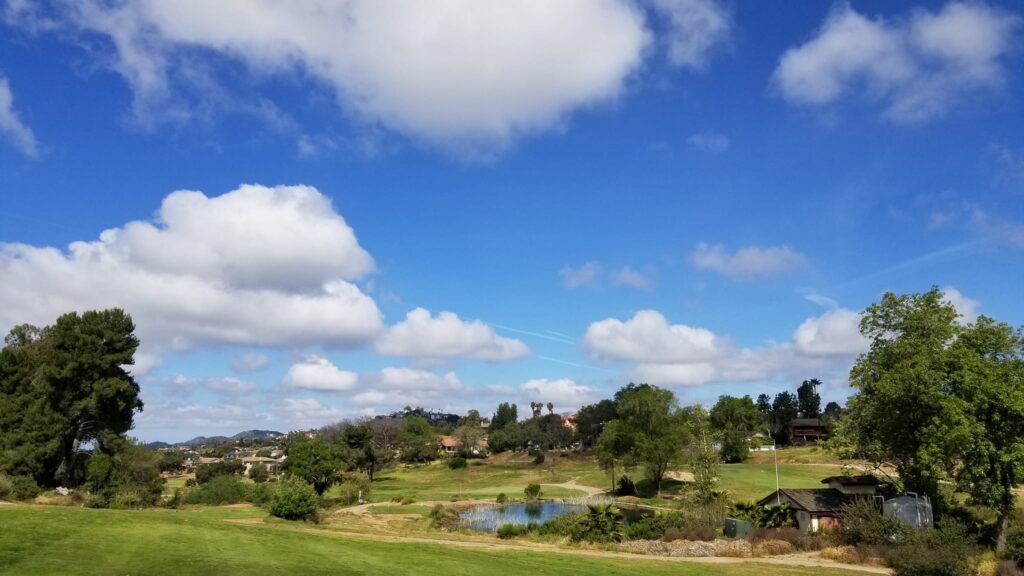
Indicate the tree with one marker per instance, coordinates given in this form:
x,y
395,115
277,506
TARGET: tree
x,y
614,447
364,454
764,405
704,459
808,400
735,420
785,408
125,468
832,411
258,473
505,415
591,420
314,460
472,418
417,441
652,417
469,438
551,408
63,387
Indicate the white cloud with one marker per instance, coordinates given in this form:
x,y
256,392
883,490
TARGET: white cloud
x,y
629,277
308,413
823,301
834,333
421,335
564,394
917,67
224,385
585,275
709,142
319,373
174,416
648,337
255,266
414,380
697,28
395,387
966,307
11,125
747,261
250,362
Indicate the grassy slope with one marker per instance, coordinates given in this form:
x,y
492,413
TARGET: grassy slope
x,y
43,540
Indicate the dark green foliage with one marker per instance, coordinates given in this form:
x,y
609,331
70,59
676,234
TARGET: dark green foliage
x,y
172,461
654,527
734,420
293,499
863,523
625,486
62,387
127,476
220,490
532,491
771,516
502,498
314,460
443,517
945,551
18,488
591,420
457,463
417,441
260,494
258,473
506,414
563,525
600,523
1015,545
785,407
538,457
506,531
808,400
207,472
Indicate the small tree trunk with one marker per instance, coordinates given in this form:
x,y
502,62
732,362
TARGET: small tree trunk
x,y
1003,522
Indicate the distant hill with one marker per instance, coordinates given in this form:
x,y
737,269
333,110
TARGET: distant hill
x,y
207,440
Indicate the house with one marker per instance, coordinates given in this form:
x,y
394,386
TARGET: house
x,y
250,461
817,508
807,430
450,445
569,422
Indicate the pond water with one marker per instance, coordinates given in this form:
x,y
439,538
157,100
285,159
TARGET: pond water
x,y
489,518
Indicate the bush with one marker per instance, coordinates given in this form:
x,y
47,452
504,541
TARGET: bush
x,y
844,554
691,533
351,487
191,483
1015,545
626,487
176,500
501,499
208,472
443,517
262,494
258,473
457,463
655,526
126,501
538,457
6,488
945,551
406,501
797,538
294,500
598,524
532,491
772,548
218,491
506,531
23,488
862,523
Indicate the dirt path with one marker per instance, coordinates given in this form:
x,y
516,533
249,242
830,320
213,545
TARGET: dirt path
x,y
797,560
572,485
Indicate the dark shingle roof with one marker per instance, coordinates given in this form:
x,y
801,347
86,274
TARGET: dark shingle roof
x,y
861,480
816,500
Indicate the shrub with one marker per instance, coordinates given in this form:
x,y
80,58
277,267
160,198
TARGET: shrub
x,y
844,554
626,487
538,457
532,491
598,524
862,523
219,490
655,526
351,487
457,463
191,483
23,488
406,501
691,533
771,516
176,500
258,473
772,548
6,488
797,538
262,494
443,517
945,551
126,501
208,472
1015,545
293,500
559,525
502,498
506,531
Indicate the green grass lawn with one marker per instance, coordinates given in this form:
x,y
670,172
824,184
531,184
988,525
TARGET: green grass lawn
x,y
755,481
42,540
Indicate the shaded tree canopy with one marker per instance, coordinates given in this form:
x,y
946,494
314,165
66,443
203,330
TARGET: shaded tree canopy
x,y
808,400
62,387
735,420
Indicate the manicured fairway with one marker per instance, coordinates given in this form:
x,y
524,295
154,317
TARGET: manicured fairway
x,y
41,540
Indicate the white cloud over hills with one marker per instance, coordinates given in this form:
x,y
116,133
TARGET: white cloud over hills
x,y
447,336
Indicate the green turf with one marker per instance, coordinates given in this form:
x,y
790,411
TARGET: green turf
x,y
396,509
41,540
755,481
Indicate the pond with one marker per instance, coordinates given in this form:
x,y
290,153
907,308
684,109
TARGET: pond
x,y
489,518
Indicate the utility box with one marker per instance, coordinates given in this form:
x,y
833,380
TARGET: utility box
x,y
735,528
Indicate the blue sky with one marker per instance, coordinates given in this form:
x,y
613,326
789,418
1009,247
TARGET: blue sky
x,y
455,205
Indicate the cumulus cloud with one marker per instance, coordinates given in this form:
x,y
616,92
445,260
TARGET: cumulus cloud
x,y
628,276
648,337
563,393
966,307
226,385
445,336
319,373
697,28
11,125
175,416
396,387
585,275
834,333
747,261
917,67
307,413
255,266
249,362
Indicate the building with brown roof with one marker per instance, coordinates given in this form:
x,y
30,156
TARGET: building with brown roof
x,y
817,508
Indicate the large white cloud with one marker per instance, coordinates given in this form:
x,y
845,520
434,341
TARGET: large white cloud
x,y
446,336
747,261
460,73
563,393
11,125
648,337
917,66
319,373
255,266
834,333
